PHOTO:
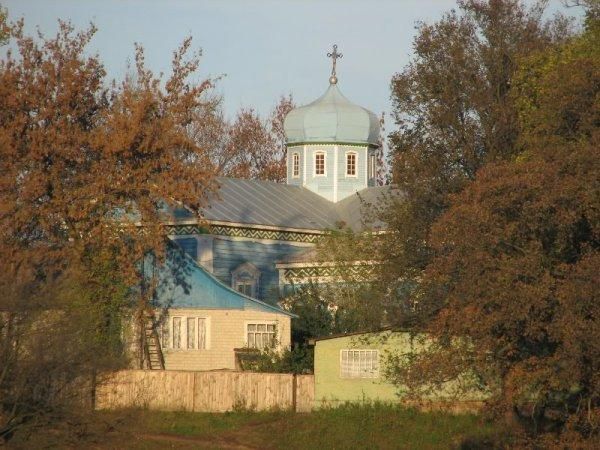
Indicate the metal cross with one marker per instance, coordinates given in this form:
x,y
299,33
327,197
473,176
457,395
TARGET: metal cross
x,y
334,56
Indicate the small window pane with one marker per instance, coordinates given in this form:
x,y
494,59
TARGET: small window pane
x,y
202,334
176,332
261,327
251,327
191,332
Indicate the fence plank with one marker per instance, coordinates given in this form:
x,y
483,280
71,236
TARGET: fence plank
x,y
204,391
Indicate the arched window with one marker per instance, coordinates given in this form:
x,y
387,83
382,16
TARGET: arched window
x,y
295,165
319,163
351,164
245,279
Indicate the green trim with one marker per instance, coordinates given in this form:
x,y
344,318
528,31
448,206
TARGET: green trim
x,y
348,144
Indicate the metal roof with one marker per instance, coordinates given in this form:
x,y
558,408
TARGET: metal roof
x,y
266,203
332,118
182,283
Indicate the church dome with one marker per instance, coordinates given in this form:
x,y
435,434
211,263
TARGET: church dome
x,y
330,119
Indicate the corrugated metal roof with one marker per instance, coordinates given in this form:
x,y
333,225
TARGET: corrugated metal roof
x,y
256,202
184,284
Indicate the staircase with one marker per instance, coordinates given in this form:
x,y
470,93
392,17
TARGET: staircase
x,y
152,351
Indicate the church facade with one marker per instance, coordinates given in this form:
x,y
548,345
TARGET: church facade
x,y
255,239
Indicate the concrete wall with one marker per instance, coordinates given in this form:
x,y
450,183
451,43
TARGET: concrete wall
x,y
226,330
331,388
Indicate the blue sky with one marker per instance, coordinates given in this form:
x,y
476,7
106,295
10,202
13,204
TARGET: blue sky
x,y
265,48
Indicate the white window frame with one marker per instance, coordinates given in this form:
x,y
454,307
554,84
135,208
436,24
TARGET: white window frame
x,y
261,322
365,369
324,174
254,278
295,165
372,164
355,174
184,333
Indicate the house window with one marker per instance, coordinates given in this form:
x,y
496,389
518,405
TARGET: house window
x,y
359,363
295,165
372,166
351,164
320,163
245,279
245,288
260,335
176,332
184,333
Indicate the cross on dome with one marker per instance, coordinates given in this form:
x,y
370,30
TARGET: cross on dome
x,y
334,55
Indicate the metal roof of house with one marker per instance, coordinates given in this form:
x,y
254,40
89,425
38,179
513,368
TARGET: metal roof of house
x,y
182,283
266,203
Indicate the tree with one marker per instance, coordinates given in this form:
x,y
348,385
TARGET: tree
x,y
87,170
454,111
516,257
258,147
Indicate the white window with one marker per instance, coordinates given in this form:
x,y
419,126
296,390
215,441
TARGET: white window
x,y
359,363
245,288
245,279
176,332
372,165
351,164
295,165
319,163
184,333
260,335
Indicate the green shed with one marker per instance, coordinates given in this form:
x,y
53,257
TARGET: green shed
x,y
351,368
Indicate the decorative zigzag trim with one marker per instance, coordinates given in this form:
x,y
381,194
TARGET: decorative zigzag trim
x,y
252,233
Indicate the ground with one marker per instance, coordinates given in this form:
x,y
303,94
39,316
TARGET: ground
x,y
371,427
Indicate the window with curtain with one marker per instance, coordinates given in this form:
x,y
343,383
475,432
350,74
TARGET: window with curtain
x,y
260,335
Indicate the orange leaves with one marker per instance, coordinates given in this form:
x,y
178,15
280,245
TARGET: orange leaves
x,y
76,151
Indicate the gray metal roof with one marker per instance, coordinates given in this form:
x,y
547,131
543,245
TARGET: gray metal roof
x,y
255,202
331,118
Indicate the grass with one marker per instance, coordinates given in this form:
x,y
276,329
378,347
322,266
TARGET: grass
x,y
347,427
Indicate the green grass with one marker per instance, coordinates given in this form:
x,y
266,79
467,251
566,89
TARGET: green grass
x,y
347,427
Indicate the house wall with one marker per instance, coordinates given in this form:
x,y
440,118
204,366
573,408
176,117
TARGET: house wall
x,y
331,388
226,331
335,185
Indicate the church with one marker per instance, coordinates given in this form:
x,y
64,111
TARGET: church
x,y
255,239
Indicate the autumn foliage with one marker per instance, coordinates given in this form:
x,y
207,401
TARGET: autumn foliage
x,y
515,258
87,169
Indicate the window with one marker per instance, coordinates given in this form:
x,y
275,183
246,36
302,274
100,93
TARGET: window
x,y
176,332
245,278
372,166
260,335
295,165
191,332
245,288
359,363
351,164
184,333
320,163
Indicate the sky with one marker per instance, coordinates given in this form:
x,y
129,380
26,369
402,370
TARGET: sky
x,y
262,49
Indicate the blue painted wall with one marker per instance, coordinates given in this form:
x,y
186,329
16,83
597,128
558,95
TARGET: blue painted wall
x,y
220,256
229,254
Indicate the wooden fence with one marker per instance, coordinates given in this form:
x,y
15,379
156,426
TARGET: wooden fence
x,y
169,390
